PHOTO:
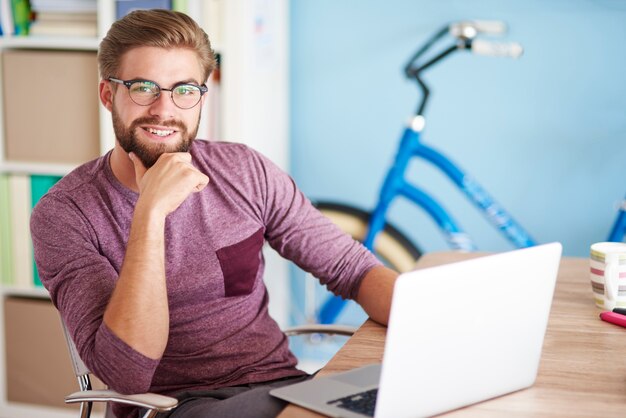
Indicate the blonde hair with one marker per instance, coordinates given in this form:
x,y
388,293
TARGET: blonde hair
x,y
158,28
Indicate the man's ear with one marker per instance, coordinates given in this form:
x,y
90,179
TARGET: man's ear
x,y
106,94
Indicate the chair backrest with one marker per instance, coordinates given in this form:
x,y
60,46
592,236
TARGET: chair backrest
x,y
79,367
82,375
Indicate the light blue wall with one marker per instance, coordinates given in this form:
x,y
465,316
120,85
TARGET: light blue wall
x,y
545,134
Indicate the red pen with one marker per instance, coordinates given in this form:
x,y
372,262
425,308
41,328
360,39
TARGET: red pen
x,y
614,318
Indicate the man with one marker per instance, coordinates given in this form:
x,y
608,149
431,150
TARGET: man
x,y
152,253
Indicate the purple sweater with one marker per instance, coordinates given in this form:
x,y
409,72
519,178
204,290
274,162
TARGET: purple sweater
x,y
220,331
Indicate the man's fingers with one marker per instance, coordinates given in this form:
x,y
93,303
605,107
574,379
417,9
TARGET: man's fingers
x,y
202,182
184,156
202,179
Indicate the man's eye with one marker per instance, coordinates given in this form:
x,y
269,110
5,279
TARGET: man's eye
x,y
186,90
143,88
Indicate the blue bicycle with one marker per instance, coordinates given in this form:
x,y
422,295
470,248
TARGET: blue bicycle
x,y
618,231
390,245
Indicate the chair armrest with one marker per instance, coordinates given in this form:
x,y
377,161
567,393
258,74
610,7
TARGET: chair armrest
x,y
320,329
150,401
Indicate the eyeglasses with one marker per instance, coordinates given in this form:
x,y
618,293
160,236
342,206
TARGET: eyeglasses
x,y
146,92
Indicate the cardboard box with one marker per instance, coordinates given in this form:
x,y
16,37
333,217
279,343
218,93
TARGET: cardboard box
x,y
50,106
38,367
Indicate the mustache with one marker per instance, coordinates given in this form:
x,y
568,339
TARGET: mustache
x,y
148,120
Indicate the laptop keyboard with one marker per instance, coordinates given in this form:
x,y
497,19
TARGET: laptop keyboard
x,y
363,402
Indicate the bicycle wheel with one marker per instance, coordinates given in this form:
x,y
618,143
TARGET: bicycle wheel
x,y
391,246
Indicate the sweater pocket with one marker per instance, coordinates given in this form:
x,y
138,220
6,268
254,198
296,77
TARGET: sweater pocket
x,y
240,263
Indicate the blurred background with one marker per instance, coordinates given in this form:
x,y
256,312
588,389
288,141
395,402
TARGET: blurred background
x,y
545,134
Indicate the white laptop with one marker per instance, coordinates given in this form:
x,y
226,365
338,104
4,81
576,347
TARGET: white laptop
x,y
458,334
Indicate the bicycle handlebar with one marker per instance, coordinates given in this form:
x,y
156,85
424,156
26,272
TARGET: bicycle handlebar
x,y
497,49
465,33
470,28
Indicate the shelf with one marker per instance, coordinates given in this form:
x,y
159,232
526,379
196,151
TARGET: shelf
x,y
31,292
35,168
29,411
49,42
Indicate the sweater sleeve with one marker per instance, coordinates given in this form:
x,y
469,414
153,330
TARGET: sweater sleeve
x,y
80,281
301,233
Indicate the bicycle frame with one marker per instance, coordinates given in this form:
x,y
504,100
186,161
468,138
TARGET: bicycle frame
x,y
396,185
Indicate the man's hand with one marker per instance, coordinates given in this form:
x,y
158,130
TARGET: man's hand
x,y
167,184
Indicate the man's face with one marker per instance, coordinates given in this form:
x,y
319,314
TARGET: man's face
x,y
149,131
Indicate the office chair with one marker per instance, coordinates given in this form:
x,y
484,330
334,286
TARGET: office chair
x,y
154,403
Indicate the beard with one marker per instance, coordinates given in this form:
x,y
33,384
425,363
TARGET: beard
x,y
150,153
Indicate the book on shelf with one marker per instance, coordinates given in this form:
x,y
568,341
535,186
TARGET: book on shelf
x,y
6,254
39,186
206,12
197,9
21,12
66,16
21,245
41,27
20,193
72,6
179,5
6,17
124,7
66,23
53,116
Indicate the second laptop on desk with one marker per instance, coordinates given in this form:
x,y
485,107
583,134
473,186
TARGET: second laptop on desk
x,y
458,334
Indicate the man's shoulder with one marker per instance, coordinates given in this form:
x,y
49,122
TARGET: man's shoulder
x,y
226,156
81,175
62,197
220,149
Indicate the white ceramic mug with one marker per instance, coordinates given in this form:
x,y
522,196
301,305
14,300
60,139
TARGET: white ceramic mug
x,y
608,274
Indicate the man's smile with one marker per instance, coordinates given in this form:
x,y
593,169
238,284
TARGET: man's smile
x,y
160,132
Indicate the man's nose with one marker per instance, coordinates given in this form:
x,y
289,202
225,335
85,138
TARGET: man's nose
x,y
163,106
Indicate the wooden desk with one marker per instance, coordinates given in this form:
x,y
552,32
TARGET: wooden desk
x,y
583,364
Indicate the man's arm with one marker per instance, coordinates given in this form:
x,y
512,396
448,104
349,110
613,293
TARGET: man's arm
x,y
301,233
138,310
375,293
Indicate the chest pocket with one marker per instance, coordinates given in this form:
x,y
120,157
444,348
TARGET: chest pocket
x,y
240,263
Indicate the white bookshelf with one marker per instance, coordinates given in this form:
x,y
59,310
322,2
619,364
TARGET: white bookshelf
x,y
49,42
250,86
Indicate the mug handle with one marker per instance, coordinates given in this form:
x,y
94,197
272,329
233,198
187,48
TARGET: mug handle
x,y
611,275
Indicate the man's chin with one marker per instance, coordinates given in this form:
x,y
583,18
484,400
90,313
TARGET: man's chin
x,y
149,156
